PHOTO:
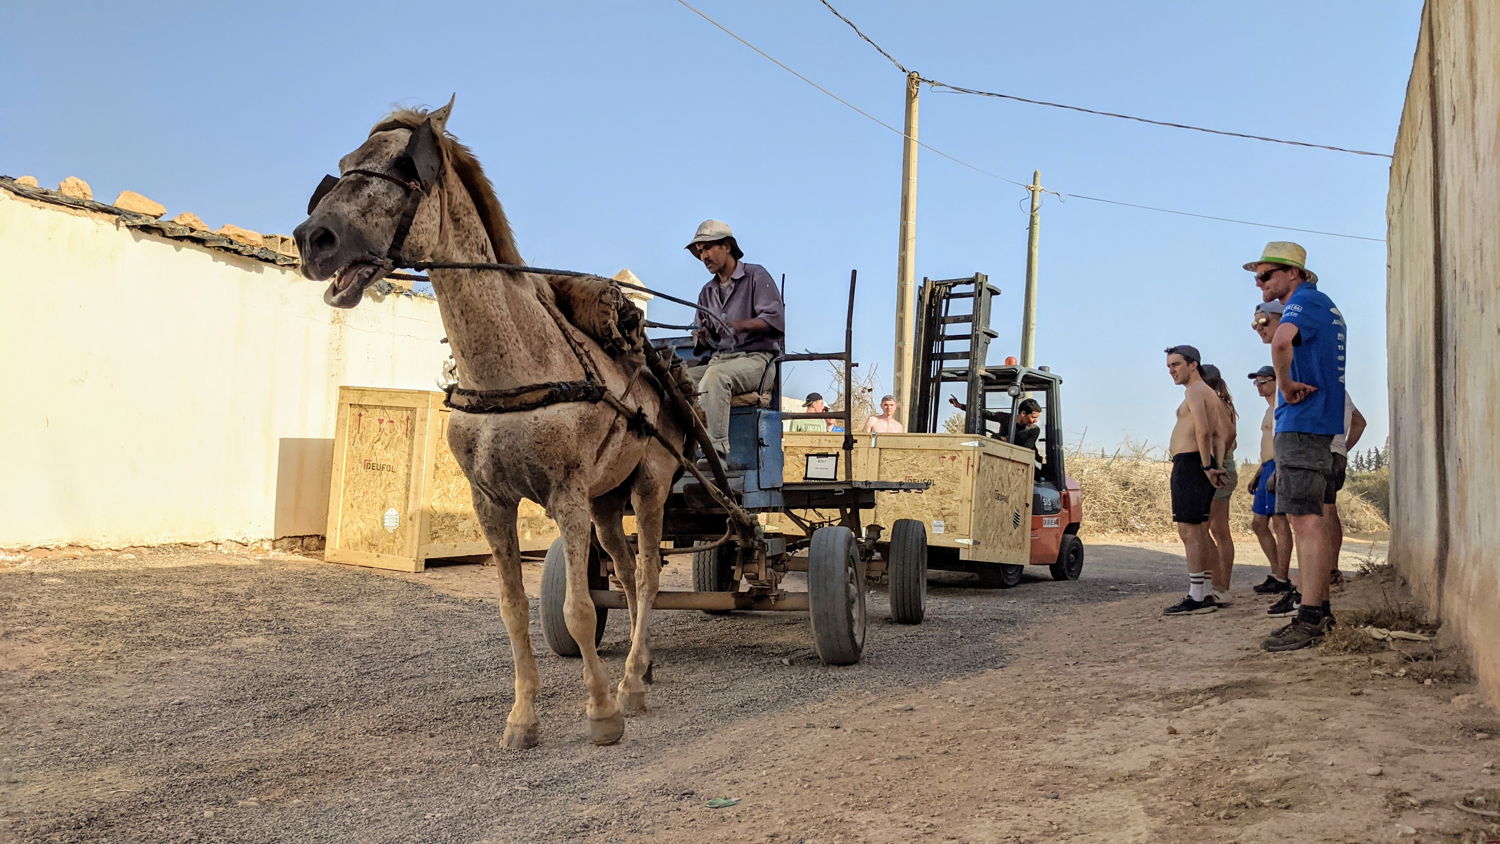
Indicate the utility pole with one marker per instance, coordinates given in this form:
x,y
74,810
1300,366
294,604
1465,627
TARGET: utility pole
x,y
906,258
1028,313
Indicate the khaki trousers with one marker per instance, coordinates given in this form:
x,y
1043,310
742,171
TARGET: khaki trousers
x,y
726,375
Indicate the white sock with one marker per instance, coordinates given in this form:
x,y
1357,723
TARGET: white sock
x,y
1197,585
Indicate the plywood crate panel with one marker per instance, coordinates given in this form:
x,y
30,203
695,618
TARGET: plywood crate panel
x,y
980,498
979,501
397,497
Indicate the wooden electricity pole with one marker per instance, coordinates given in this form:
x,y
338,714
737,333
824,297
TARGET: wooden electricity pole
x,y
906,259
1028,313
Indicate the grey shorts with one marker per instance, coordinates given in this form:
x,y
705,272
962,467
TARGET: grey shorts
x,y
1304,473
1223,493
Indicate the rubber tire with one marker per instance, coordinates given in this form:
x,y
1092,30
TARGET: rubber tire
x,y
713,571
906,565
555,592
1002,576
833,569
1069,563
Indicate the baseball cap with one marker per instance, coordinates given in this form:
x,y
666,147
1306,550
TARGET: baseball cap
x,y
812,397
1263,372
1209,372
1188,352
1272,307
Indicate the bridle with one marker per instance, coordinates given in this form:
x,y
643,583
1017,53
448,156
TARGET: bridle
x,y
426,160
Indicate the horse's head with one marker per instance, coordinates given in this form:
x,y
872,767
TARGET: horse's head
x,y
359,222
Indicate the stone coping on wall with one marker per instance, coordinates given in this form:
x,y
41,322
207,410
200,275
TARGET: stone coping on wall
x,y
272,249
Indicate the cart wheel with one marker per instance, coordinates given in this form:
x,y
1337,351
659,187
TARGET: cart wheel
x,y
907,563
555,591
1069,563
836,583
1004,577
713,571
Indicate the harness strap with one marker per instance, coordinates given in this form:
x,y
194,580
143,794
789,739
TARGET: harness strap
x,y
517,399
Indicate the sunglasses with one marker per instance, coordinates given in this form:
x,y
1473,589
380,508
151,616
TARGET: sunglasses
x,y
1260,322
1262,278
1260,381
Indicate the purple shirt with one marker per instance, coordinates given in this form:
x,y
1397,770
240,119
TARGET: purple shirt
x,y
752,295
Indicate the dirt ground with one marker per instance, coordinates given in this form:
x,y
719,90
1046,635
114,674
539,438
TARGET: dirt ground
x,y
181,694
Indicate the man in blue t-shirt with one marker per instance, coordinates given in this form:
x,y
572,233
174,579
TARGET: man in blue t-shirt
x,y
1308,354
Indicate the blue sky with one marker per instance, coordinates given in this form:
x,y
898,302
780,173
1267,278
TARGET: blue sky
x,y
612,128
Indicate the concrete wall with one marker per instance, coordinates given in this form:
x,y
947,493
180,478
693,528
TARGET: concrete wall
x,y
160,391
1444,345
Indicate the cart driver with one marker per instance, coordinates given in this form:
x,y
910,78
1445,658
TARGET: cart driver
x,y
742,329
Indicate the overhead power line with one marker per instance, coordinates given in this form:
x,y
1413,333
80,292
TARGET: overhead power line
x,y
976,92
872,118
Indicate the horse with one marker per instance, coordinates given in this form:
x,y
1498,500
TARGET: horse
x,y
541,409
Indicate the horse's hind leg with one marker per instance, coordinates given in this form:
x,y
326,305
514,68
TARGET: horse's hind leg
x,y
499,520
649,495
572,512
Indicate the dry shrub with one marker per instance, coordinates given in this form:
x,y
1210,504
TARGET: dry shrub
x,y
1374,487
1127,494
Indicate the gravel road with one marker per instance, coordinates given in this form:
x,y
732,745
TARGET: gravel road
x,y
186,695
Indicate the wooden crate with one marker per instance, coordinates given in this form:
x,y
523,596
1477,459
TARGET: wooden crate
x,y
398,498
979,501
980,498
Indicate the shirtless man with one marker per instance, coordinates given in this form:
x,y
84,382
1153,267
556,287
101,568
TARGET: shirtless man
x,y
1197,470
1271,529
886,422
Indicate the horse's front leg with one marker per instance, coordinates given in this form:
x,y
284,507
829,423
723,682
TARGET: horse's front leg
x,y
609,513
571,511
499,521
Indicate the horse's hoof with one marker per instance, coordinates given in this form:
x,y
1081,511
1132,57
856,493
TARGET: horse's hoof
x,y
632,703
520,736
607,730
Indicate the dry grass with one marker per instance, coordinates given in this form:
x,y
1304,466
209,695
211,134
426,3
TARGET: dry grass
x,y
1126,494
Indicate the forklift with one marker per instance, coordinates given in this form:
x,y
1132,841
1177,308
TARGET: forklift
x,y
952,345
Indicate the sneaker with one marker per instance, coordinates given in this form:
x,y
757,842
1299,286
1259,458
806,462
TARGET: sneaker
x,y
1188,606
1335,578
1287,605
1222,599
1272,586
1298,634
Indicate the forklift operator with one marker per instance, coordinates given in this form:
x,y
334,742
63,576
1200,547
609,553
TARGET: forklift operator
x,y
1027,414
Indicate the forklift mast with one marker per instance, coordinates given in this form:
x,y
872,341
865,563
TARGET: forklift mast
x,y
951,347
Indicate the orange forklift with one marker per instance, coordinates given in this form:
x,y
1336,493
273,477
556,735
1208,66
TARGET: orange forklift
x,y
951,348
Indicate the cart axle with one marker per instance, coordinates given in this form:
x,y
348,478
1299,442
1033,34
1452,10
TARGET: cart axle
x,y
783,602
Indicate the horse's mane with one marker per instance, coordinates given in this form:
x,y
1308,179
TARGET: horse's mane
x,y
466,167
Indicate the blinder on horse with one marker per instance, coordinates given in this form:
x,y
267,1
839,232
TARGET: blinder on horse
x,y
422,160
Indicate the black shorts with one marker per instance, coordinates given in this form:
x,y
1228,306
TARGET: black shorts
x,y
1336,480
1192,491
1304,473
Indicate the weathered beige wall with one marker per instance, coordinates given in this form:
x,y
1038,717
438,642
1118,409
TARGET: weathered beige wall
x,y
156,391
1444,308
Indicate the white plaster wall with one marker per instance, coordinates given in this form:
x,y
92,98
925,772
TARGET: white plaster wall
x,y
157,391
